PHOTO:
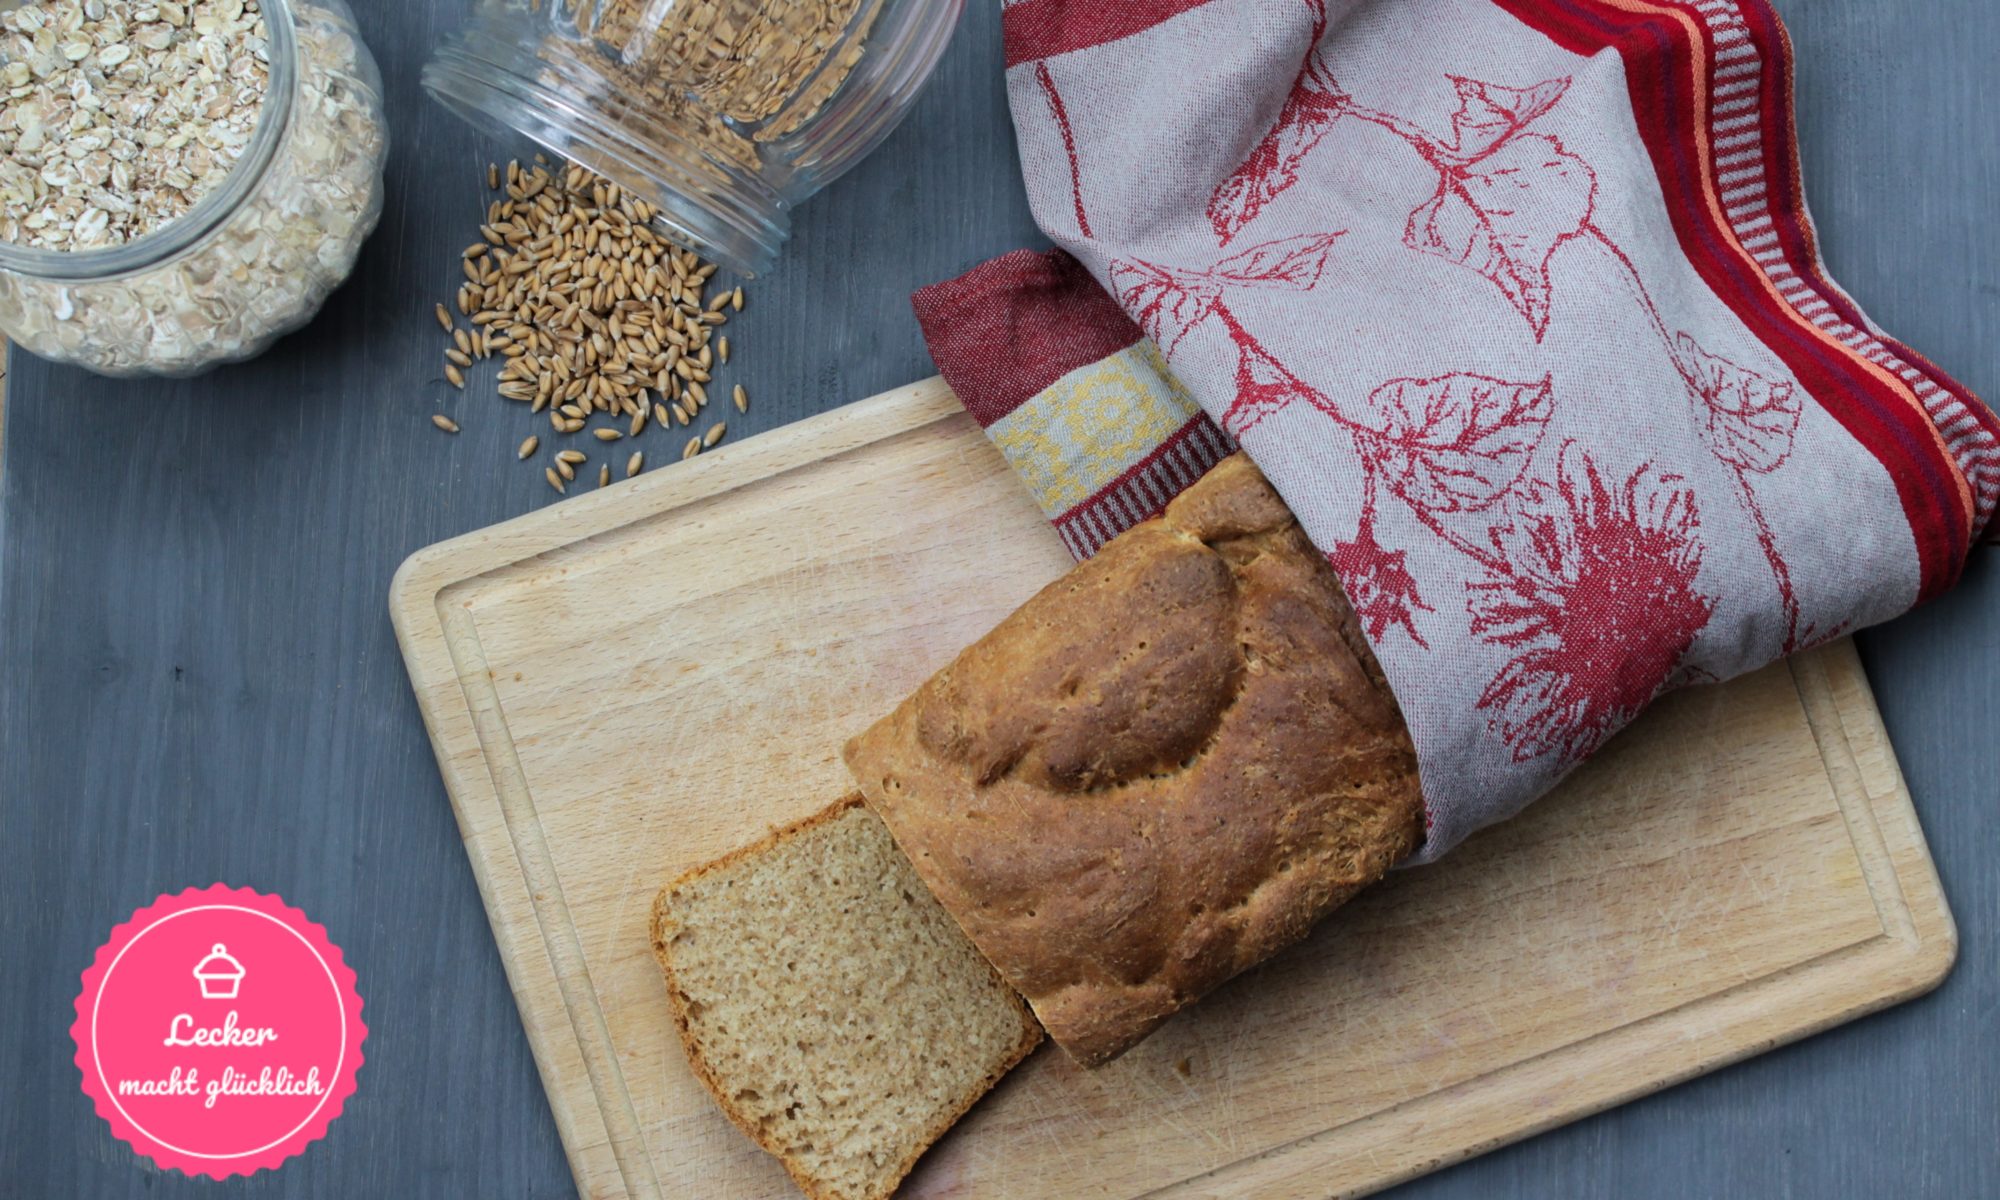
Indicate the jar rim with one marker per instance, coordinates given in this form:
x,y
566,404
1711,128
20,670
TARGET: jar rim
x,y
740,227
533,71
153,248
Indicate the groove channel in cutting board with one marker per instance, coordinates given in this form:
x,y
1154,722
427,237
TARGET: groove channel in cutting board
x,y
662,671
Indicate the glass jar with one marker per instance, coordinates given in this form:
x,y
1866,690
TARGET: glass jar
x,y
723,114
253,259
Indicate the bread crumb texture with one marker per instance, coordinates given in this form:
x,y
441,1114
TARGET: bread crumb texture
x,y
838,1015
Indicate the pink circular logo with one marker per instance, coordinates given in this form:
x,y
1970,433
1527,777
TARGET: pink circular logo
x,y
219,1031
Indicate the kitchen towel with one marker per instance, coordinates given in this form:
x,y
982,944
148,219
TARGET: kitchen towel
x,y
1516,302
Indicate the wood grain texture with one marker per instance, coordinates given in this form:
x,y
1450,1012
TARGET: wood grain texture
x,y
198,681
1740,869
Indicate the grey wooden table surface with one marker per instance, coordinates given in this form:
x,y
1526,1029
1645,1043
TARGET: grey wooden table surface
x,y
198,681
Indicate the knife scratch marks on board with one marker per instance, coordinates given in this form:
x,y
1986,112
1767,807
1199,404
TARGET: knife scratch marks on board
x,y
1055,1129
1676,915
1751,873
614,935
1163,1096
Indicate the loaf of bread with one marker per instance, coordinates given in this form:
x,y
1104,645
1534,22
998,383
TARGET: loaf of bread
x,y
1166,766
836,1013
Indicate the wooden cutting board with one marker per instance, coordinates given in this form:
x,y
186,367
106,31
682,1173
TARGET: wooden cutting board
x,y
634,681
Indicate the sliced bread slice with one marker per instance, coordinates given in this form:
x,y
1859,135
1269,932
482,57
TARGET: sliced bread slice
x,y
838,1015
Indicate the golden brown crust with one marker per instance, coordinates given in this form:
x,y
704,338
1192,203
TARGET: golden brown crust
x,y
1163,768
660,927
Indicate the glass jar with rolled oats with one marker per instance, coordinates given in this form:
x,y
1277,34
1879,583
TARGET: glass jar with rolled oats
x,y
722,114
181,181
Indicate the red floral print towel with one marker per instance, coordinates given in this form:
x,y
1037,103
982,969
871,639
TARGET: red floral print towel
x,y
1518,305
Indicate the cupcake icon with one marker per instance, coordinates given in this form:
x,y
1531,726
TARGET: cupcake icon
x,y
219,975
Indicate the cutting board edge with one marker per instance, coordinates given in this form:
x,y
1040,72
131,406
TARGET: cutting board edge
x,y
429,572
417,599
1758,1016
503,890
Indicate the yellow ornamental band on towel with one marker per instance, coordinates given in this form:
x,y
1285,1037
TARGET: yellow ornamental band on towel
x,y
1091,426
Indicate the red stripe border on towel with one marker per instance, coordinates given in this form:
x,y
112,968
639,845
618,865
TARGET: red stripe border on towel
x,y
1004,331
1142,491
1970,429
1035,29
1672,67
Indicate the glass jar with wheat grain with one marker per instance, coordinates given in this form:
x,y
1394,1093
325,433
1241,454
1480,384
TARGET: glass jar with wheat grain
x,y
722,114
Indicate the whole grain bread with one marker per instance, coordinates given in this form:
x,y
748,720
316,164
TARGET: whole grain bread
x,y
1163,768
834,1011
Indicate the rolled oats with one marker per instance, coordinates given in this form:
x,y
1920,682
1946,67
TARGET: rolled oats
x,y
175,115
279,249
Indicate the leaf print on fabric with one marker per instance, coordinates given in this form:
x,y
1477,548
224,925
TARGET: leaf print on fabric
x,y
1747,420
1594,588
1310,109
1504,214
1490,113
1168,302
1456,442
1506,199
1293,262
1379,585
1263,384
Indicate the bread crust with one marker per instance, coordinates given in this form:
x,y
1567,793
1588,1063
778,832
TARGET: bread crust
x,y
1165,767
662,928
